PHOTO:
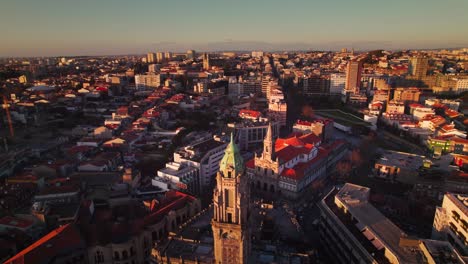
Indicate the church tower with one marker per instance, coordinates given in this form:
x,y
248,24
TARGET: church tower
x,y
269,145
231,209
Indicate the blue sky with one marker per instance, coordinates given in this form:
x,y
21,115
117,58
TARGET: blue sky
x,y
85,27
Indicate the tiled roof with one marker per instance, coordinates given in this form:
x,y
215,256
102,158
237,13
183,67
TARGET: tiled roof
x,y
15,222
61,241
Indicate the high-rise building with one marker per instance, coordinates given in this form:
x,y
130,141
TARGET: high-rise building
x,y
159,57
153,68
231,197
353,76
206,61
191,54
451,221
337,83
418,67
168,56
151,57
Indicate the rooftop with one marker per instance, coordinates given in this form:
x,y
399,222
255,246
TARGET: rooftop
x,y
377,228
15,222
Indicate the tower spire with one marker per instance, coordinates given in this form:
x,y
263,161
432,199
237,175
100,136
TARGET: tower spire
x,y
269,144
232,162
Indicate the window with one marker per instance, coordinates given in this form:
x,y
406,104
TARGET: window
x,y
116,255
99,257
229,218
124,254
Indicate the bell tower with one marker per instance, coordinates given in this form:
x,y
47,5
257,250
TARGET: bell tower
x,y
231,209
269,145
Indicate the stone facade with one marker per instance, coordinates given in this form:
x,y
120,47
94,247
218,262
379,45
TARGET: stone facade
x,y
231,231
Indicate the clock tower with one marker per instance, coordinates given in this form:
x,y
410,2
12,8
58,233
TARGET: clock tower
x,y
231,209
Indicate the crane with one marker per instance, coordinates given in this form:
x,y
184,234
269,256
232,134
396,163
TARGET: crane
x,y
6,106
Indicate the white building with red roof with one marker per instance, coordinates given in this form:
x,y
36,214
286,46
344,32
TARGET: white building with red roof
x,y
288,165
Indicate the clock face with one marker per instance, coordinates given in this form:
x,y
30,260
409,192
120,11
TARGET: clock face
x,y
228,235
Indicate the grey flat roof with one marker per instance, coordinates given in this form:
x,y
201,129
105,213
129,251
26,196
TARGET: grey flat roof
x,y
355,199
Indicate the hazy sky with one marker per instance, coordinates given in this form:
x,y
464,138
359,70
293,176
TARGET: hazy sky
x,y
93,27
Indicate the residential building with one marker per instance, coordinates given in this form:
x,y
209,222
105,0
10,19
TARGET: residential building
x,y
418,67
395,107
143,81
151,57
461,84
451,221
353,76
159,57
407,94
250,134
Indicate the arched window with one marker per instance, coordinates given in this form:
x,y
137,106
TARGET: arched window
x,y
124,254
116,255
99,257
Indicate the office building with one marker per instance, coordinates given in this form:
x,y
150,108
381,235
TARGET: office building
x,y
353,76
203,154
352,230
231,198
337,83
251,133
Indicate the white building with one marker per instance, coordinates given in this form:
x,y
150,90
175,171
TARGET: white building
x,y
143,81
462,85
180,176
451,221
204,155
421,112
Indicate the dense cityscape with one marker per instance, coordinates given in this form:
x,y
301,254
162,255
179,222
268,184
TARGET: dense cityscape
x,y
233,132
235,157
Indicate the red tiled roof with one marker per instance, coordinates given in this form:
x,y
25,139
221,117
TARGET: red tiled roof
x,y
15,222
250,164
249,113
174,200
61,241
459,140
289,148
